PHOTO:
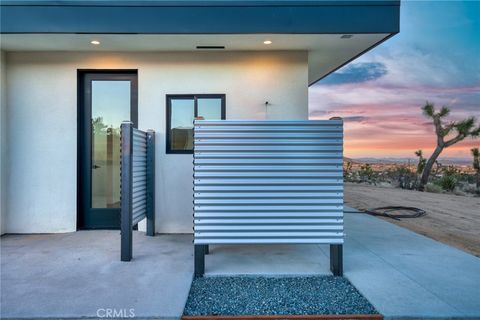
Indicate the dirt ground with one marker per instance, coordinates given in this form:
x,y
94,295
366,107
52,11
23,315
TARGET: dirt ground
x,y
451,219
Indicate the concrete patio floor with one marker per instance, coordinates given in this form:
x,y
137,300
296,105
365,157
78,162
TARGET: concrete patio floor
x,y
403,274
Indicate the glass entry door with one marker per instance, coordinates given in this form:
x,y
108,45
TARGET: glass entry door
x,y
107,100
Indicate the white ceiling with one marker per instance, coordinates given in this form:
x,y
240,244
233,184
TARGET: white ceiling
x,y
326,51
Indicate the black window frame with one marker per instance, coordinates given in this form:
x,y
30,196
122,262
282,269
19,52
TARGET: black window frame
x,y
194,97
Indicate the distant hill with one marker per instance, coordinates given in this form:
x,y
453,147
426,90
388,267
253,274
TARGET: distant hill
x,y
444,161
345,159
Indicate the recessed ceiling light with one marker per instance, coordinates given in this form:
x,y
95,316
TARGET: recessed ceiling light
x,y
95,42
267,42
346,36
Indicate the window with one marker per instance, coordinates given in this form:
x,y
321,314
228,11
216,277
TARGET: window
x,y
182,110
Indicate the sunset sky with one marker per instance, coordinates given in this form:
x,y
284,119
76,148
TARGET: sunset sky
x,y
435,57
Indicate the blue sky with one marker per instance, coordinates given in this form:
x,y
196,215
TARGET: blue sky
x,y
435,57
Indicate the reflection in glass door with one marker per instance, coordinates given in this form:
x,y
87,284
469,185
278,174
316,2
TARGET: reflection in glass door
x,y
110,106
108,99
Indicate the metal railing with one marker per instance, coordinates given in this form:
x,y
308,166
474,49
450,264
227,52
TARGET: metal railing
x,y
137,183
268,182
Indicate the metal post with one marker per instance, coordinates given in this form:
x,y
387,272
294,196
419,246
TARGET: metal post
x,y
199,259
150,183
126,190
336,259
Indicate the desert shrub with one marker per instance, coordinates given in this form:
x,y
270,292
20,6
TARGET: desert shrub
x,y
459,192
447,182
466,178
433,188
451,171
347,171
404,177
471,188
366,173
449,178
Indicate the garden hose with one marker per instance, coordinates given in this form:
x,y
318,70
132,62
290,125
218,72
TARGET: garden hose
x,y
389,212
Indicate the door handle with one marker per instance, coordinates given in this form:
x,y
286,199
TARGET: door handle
x,y
95,166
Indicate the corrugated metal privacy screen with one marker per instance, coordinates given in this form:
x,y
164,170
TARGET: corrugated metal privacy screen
x,y
268,182
139,176
137,183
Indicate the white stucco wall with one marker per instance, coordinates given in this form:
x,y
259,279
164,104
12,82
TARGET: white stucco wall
x,y
42,122
3,141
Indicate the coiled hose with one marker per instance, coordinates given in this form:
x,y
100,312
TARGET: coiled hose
x,y
389,212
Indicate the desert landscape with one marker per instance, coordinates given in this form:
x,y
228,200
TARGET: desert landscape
x,y
451,219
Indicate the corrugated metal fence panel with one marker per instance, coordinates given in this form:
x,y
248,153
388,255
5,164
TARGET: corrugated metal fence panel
x,y
268,182
139,175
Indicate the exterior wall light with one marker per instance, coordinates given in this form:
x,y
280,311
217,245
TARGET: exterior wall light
x,y
267,42
95,42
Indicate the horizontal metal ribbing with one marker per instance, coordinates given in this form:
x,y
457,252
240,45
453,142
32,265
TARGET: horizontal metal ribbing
x,y
267,148
269,227
139,140
270,123
139,188
267,155
265,181
140,196
328,214
142,144
293,240
137,132
271,162
269,174
268,182
267,142
268,202
139,217
267,129
139,184
139,135
270,135
266,221
267,195
267,234
293,209
139,174
248,168
269,188
267,125
138,206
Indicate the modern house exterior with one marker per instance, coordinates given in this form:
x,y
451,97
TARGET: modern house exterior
x,y
72,71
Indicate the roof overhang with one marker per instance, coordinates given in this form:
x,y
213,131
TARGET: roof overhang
x,y
314,26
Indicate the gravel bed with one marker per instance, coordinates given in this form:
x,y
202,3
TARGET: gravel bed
x,y
257,295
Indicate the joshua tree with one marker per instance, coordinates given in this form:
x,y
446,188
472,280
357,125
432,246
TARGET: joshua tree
x,y
421,161
476,165
420,165
461,129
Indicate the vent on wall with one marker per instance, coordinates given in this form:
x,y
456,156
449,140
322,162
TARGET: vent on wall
x,y
211,47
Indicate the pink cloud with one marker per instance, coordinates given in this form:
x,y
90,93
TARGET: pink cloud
x,y
385,120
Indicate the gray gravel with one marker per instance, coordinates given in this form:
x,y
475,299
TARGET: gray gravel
x,y
248,295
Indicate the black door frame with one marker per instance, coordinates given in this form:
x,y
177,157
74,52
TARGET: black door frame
x,y
84,137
